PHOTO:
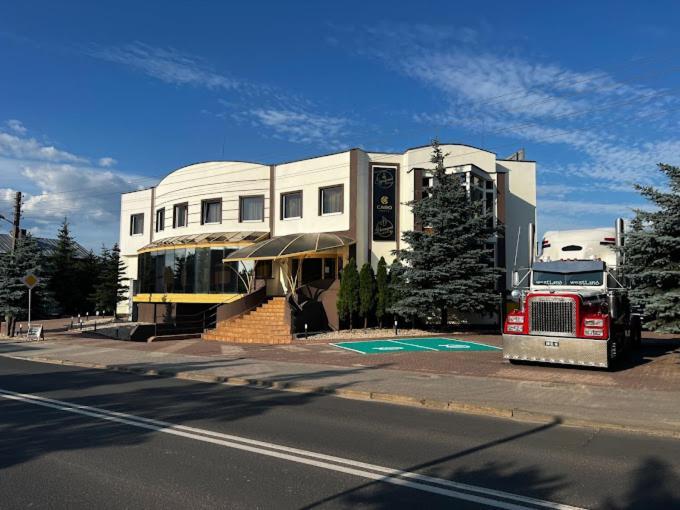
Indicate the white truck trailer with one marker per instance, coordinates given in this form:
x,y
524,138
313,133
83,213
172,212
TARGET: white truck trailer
x,y
573,307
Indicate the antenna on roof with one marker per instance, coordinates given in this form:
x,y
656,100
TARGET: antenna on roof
x,y
517,156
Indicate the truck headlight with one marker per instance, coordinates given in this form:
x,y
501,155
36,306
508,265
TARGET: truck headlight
x,y
516,319
598,323
593,332
518,328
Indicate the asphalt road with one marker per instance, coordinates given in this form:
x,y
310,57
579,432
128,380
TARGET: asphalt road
x,y
76,438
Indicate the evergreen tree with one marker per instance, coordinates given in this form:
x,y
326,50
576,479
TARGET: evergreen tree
x,y
366,292
348,295
652,255
396,290
64,272
447,266
87,270
111,287
382,291
13,267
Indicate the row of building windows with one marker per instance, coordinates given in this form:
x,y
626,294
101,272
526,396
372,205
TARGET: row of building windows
x,y
251,209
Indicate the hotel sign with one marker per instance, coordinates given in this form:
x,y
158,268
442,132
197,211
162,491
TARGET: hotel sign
x,y
384,203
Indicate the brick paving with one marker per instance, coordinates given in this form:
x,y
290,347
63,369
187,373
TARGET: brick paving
x,y
655,367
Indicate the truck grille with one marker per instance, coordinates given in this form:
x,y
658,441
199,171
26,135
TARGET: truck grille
x,y
552,316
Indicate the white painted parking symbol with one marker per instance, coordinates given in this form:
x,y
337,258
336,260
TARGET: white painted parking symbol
x,y
454,346
388,348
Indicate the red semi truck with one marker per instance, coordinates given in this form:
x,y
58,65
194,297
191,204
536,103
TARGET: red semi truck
x,y
573,308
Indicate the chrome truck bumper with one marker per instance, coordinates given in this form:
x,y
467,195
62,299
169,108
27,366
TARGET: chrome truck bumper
x,y
554,349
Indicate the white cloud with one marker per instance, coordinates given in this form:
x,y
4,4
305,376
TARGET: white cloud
x,y
17,146
107,162
615,127
167,64
302,127
16,126
57,184
288,116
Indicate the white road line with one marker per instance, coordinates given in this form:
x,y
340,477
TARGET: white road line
x,y
389,475
479,343
414,345
349,349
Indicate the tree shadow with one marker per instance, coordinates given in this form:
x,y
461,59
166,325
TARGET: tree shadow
x,y
377,494
655,485
36,431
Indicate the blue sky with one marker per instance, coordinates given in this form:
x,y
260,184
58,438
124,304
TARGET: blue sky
x,y
99,98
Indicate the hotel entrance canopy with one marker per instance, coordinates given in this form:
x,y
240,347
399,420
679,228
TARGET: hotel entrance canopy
x,y
207,239
292,245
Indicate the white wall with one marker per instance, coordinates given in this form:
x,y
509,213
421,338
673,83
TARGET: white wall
x,y
225,180
134,203
520,210
309,175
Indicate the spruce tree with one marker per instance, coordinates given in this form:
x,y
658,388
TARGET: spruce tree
x,y
348,295
64,272
110,288
652,255
447,266
366,292
13,293
87,271
382,291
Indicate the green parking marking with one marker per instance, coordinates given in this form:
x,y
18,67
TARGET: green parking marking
x,y
414,345
379,347
451,344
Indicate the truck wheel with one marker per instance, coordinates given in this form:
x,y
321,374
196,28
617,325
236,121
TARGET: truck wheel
x,y
635,331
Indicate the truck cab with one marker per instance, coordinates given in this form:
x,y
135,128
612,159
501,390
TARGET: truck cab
x,y
572,309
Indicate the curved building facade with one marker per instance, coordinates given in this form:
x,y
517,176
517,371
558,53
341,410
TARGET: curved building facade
x,y
175,236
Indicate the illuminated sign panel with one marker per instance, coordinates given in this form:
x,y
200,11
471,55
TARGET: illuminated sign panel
x,y
384,203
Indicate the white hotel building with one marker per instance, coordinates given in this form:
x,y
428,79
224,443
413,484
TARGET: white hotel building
x,y
175,236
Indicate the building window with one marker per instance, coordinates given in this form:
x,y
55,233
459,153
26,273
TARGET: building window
x,y
263,269
251,208
160,219
211,211
291,205
180,215
137,224
331,200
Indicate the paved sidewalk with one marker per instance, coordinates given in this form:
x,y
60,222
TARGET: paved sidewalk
x,y
640,410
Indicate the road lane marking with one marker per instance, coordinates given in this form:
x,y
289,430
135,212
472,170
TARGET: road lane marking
x,y
344,347
413,345
387,475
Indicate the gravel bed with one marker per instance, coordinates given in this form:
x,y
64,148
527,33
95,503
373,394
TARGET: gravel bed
x,y
358,334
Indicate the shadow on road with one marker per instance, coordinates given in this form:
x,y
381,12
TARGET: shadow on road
x,y
37,431
529,479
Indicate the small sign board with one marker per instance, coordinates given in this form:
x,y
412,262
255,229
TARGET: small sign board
x,y
35,333
30,280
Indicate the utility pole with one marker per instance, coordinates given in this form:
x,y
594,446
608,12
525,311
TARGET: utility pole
x,y
17,220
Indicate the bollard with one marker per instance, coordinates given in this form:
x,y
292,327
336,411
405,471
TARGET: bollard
x,y
396,328
20,330
95,325
87,316
80,324
305,331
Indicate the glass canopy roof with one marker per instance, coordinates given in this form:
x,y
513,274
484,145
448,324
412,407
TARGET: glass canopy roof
x,y
292,245
208,238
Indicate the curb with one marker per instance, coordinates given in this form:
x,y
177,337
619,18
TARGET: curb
x,y
515,414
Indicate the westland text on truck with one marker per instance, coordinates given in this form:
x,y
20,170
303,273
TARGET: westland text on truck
x,y
573,306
